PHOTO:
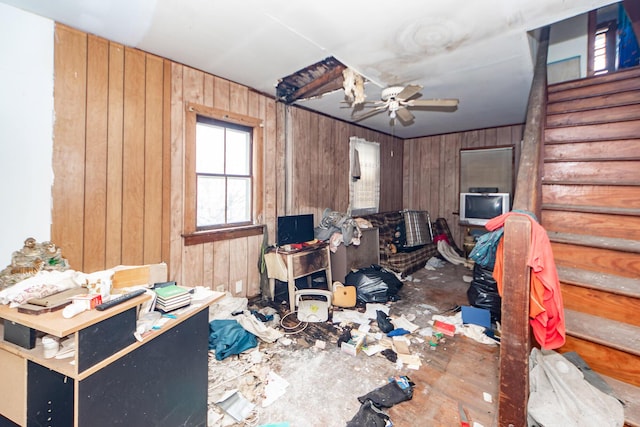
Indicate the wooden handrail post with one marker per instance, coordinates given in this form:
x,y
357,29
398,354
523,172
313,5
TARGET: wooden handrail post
x,y
515,339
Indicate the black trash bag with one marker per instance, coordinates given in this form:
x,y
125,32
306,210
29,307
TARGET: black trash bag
x,y
374,284
369,416
384,322
392,393
483,292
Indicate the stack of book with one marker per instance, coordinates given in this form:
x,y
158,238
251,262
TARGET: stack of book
x,y
172,297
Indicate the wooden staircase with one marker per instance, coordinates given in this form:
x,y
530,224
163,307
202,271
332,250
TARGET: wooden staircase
x,y
591,211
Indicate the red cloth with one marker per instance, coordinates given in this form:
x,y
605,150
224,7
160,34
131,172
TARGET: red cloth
x,y
546,310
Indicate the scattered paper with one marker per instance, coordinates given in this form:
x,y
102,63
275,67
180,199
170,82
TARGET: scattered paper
x,y
404,323
373,307
235,404
364,328
275,388
349,316
410,360
401,345
372,349
487,397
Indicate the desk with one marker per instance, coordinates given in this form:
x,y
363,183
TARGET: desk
x,y
290,265
113,378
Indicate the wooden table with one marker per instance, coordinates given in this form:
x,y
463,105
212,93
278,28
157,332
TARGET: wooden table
x,y
299,263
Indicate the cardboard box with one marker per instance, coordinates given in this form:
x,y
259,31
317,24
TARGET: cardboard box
x,y
354,345
88,302
125,276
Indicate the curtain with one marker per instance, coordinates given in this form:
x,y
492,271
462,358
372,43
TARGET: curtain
x,y
364,176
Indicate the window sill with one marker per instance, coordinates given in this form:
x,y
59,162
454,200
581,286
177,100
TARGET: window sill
x,y
208,236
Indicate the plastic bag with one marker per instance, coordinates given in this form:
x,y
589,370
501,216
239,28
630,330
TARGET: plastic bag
x,y
374,284
384,321
483,292
369,416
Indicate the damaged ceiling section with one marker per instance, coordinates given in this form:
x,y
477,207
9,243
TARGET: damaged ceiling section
x,y
310,82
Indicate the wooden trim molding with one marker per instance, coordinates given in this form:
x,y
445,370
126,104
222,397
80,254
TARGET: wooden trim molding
x,y
191,234
222,234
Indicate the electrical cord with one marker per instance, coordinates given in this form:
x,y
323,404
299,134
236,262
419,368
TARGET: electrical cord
x,y
288,329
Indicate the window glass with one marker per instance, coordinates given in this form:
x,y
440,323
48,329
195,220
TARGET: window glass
x,y
223,173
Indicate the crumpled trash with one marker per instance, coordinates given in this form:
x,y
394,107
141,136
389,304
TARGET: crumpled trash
x,y
266,333
391,355
434,263
398,332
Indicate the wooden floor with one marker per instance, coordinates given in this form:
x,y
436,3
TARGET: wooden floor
x,y
459,370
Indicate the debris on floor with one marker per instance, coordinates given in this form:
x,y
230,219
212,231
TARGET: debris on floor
x,y
293,360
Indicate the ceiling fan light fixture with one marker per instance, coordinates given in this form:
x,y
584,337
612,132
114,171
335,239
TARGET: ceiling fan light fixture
x,y
392,114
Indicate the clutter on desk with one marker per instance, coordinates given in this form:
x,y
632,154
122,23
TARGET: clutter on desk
x,y
171,297
30,260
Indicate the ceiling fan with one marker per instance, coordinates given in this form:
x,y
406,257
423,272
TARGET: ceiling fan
x,y
397,101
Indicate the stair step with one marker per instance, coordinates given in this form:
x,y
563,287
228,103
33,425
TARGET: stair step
x,y
624,245
608,115
630,397
608,296
601,224
591,209
615,171
610,333
581,194
620,149
591,182
625,264
598,132
600,281
594,102
597,85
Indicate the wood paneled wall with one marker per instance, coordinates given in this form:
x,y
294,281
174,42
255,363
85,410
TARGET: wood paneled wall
x,y
119,137
432,170
108,152
319,165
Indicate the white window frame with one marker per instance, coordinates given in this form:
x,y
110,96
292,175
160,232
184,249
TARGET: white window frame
x,y
364,191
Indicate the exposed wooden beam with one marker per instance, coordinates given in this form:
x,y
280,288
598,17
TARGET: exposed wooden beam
x,y
332,78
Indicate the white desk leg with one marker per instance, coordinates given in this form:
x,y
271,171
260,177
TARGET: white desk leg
x,y
328,271
272,289
291,283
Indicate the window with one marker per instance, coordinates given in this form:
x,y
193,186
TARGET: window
x,y
604,48
364,188
222,175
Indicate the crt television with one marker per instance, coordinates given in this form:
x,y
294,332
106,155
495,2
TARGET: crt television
x,y
294,229
479,208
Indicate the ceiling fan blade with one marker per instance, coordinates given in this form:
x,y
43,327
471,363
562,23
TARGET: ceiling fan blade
x,y
372,112
432,103
404,115
409,91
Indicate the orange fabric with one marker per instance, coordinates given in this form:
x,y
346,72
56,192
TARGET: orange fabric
x,y
546,309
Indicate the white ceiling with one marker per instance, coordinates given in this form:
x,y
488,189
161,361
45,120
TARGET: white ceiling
x,y
477,51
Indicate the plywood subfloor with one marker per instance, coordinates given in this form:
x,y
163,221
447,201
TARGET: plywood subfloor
x,y
324,384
